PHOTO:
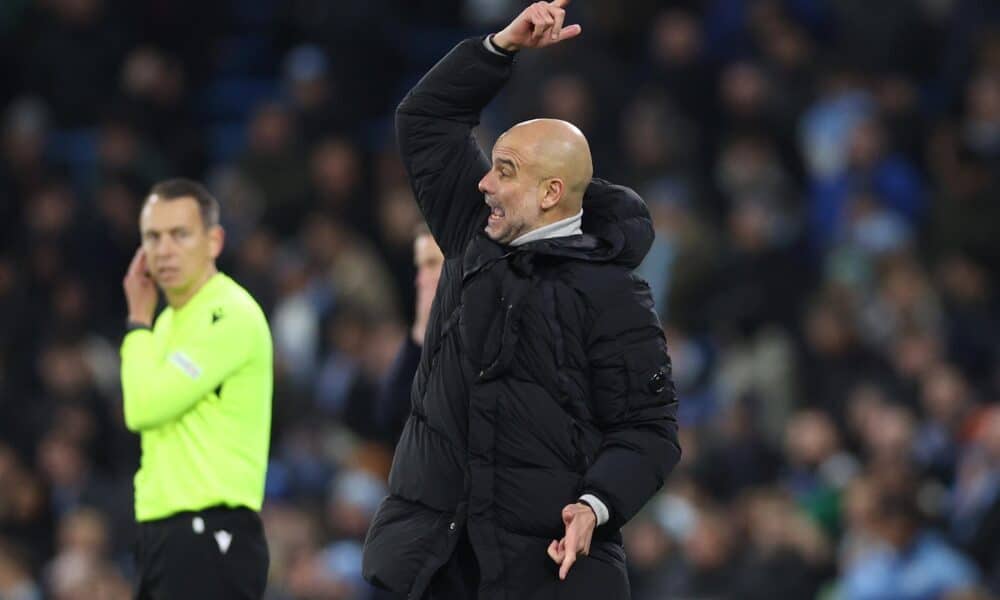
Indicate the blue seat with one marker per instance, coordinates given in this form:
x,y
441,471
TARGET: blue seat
x,y
424,46
73,147
226,141
246,55
232,99
253,13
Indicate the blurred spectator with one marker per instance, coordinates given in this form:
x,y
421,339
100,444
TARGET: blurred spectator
x,y
818,468
74,57
835,359
81,568
711,560
822,179
871,171
320,108
788,557
337,185
949,411
392,406
658,143
678,62
736,457
681,265
975,518
23,168
24,519
273,162
908,560
156,94
16,582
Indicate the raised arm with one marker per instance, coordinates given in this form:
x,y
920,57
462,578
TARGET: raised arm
x,y
434,122
434,126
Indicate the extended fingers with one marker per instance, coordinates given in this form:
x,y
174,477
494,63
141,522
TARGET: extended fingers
x,y
557,17
541,19
570,31
566,564
556,551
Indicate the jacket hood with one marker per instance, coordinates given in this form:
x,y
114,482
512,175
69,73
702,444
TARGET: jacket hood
x,y
616,228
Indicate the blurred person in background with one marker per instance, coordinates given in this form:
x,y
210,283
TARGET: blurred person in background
x,y
196,386
975,510
16,582
274,162
711,557
393,404
725,108
788,557
25,521
81,568
543,407
908,560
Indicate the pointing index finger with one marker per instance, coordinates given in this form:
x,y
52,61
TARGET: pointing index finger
x,y
560,3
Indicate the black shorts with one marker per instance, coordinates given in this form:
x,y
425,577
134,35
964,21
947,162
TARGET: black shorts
x,y
218,553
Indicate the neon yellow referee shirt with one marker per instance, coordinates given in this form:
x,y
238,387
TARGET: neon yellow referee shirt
x,y
197,387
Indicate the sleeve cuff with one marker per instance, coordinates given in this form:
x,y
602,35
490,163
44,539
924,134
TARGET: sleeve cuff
x,y
493,48
600,509
131,326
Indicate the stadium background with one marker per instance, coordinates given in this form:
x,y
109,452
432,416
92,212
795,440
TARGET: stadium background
x,y
824,179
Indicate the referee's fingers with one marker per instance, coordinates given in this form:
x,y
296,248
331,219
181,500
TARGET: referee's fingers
x,y
137,264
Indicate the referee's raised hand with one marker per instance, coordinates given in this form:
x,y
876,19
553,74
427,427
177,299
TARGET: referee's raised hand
x,y
538,26
140,290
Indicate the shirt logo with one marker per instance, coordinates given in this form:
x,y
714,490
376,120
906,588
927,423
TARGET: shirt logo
x,y
216,315
223,538
190,368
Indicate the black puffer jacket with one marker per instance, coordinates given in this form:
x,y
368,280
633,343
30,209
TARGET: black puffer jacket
x,y
544,376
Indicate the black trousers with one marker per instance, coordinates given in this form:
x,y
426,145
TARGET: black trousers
x,y
537,579
218,553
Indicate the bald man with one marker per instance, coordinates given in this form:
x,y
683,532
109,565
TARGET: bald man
x,y
543,412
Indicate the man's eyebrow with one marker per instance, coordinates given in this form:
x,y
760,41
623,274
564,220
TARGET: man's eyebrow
x,y
506,162
173,229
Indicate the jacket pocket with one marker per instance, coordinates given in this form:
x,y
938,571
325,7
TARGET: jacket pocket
x,y
399,543
650,377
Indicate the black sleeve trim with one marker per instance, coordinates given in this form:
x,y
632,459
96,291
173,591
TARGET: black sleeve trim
x,y
508,53
131,326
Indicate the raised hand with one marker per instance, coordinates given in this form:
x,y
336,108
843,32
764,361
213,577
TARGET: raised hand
x,y
140,291
538,26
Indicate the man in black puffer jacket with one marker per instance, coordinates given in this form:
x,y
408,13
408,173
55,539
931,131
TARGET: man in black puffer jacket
x,y
544,414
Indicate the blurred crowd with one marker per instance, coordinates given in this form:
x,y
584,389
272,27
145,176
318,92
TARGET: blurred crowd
x,y
824,176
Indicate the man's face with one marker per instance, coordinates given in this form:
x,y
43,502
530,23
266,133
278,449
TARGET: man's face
x,y
179,248
513,191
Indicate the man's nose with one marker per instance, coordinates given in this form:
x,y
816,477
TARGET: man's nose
x,y
484,183
164,247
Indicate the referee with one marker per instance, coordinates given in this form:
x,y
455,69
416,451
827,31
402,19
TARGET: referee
x,y
197,388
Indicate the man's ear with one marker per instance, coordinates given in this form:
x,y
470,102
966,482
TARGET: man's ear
x,y
216,240
552,193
